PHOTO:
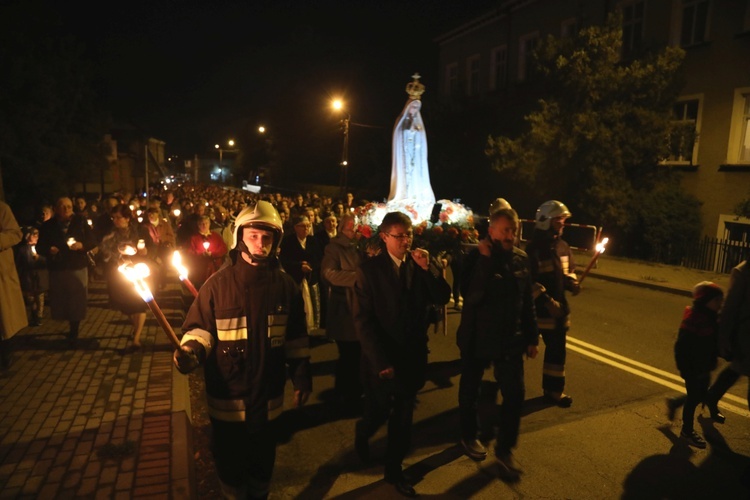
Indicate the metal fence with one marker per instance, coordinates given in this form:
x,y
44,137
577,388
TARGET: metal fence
x,y
717,255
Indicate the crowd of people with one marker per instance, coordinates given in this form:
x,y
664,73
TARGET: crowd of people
x,y
271,270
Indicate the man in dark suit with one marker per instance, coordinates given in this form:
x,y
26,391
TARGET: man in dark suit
x,y
393,293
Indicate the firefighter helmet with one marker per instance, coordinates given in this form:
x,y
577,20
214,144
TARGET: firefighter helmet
x,y
262,216
499,204
548,211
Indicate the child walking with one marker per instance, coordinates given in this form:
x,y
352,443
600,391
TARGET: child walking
x,y
696,353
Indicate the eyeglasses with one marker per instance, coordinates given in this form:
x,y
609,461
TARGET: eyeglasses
x,y
402,236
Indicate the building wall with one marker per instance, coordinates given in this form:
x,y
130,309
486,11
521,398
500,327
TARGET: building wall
x,y
715,71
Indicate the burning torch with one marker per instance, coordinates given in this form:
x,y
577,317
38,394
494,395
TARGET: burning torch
x,y
183,272
137,274
599,250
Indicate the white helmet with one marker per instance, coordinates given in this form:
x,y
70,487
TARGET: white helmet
x,y
262,216
499,204
548,211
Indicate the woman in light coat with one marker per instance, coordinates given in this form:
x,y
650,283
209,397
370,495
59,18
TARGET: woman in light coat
x,y
339,268
12,307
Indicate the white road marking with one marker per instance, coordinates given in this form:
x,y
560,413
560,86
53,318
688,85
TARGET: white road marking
x,y
642,370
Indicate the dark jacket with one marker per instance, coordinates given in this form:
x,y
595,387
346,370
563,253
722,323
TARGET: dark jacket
x,y
53,234
32,271
391,320
498,317
552,266
248,323
696,349
339,270
291,255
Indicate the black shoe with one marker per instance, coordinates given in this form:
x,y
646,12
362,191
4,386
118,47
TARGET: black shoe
x,y
509,471
35,322
693,439
362,447
475,450
563,400
716,415
403,486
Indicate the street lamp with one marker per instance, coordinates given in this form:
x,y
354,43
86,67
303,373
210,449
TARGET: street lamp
x,y
231,149
338,105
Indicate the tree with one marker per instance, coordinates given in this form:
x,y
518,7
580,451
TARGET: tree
x,y
597,138
743,208
51,129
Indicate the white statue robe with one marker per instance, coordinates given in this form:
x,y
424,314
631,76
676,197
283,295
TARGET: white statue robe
x,y
410,176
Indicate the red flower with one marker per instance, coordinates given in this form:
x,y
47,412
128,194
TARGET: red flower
x,y
452,232
365,231
437,230
449,210
444,216
465,235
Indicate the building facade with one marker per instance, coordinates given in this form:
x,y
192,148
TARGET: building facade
x,y
488,59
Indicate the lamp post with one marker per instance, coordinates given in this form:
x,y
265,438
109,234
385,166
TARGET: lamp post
x,y
230,143
338,105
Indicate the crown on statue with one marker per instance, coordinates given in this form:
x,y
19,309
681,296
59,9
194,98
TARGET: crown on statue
x,y
414,88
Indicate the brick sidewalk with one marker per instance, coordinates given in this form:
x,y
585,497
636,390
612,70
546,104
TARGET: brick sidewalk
x,y
96,420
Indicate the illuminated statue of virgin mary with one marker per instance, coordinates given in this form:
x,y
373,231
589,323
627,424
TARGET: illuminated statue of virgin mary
x,y
410,176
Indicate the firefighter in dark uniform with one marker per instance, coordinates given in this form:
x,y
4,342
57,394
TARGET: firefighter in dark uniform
x,y
553,269
498,326
247,327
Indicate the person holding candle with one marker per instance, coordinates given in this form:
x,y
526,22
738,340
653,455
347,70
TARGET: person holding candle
x,y
64,241
206,252
247,328
553,269
32,271
124,239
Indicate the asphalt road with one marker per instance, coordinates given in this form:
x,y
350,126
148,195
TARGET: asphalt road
x,y
614,442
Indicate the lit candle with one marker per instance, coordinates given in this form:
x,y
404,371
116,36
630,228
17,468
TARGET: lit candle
x,y
90,222
206,245
176,212
71,242
141,244
33,249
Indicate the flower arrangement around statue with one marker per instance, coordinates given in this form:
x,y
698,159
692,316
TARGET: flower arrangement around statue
x,y
452,226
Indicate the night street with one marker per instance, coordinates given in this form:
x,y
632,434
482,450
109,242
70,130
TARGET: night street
x,y
614,441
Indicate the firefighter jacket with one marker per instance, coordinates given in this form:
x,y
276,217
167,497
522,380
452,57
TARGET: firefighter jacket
x,y
553,267
498,317
248,325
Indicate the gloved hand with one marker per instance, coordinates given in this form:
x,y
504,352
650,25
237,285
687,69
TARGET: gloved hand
x,y
185,359
554,308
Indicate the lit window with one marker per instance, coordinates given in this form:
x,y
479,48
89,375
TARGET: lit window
x,y
744,155
684,132
499,67
694,22
472,75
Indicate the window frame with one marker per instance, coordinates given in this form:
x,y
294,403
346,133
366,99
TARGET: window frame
x,y
692,160
694,5
495,82
525,54
451,79
473,75
739,127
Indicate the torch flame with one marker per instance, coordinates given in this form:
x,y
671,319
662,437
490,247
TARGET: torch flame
x,y
600,246
177,263
136,274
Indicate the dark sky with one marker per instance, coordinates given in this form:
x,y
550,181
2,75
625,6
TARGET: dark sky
x,y
192,72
